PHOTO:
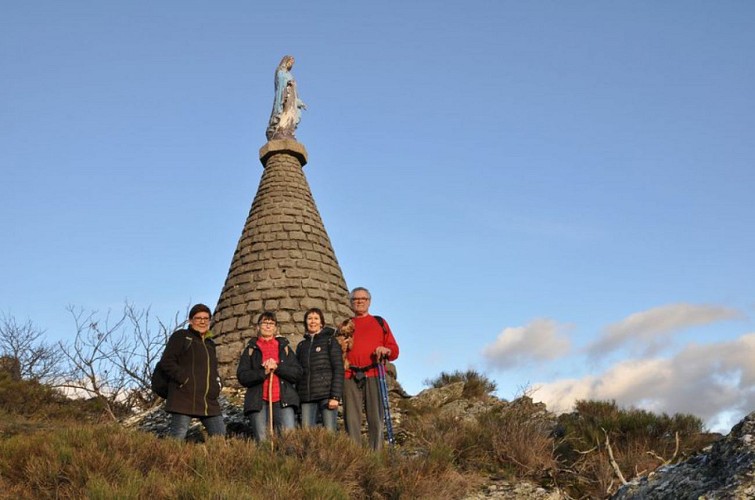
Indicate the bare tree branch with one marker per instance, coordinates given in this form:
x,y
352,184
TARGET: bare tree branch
x,y
91,370
673,457
142,352
612,460
113,360
36,359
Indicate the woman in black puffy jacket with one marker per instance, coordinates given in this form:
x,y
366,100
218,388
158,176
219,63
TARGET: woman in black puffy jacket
x,y
320,388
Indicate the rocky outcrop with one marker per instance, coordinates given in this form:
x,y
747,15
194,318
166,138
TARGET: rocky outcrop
x,y
449,400
724,470
503,489
157,421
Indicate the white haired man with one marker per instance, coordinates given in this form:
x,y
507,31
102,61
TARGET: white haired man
x,y
373,344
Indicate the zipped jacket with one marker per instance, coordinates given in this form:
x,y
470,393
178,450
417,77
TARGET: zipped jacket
x,y
321,358
192,365
251,375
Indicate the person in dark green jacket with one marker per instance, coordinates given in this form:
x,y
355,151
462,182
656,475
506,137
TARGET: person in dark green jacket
x,y
192,366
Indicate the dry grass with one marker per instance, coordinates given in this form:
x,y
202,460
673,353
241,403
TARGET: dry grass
x,y
106,461
60,450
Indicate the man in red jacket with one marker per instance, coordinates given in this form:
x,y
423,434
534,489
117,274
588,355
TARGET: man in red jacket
x,y
373,343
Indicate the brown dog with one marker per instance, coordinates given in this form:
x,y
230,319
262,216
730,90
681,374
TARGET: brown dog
x,y
345,337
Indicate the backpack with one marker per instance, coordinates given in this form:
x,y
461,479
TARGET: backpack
x,y
381,322
160,381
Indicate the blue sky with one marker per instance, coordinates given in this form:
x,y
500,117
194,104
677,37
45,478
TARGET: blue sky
x,y
556,194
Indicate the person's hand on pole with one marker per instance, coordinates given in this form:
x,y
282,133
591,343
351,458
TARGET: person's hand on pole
x,y
270,366
382,353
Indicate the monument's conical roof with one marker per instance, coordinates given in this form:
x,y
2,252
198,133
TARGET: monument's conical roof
x,y
284,261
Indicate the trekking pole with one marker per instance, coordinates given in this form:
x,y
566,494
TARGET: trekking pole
x,y
386,406
270,408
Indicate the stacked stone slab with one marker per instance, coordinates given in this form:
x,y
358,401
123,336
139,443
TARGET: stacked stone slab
x,y
284,261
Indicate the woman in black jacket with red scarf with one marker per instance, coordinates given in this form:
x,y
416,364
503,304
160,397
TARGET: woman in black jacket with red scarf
x,y
269,356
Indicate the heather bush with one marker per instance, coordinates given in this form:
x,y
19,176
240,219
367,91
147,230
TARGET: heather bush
x,y
26,397
640,441
37,402
588,424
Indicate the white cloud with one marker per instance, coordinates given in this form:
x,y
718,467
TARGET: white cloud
x,y
715,382
648,331
542,339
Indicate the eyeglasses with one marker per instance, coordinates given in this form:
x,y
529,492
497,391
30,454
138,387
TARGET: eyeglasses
x,y
201,320
268,323
360,299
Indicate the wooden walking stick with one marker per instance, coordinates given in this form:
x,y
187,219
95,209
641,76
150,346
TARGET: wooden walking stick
x,y
270,408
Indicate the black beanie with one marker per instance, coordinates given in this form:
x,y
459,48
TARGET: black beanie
x,y
198,309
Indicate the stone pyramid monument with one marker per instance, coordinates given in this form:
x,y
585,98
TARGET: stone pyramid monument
x,y
284,261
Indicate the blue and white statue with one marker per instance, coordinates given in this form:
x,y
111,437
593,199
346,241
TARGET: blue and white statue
x,y
287,106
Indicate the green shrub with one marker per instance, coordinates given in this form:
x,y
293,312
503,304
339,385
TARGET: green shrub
x,y
640,441
37,402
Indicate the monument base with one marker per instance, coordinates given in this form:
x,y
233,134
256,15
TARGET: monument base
x,y
289,146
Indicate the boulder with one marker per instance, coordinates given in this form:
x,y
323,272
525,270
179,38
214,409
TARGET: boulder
x,y
437,397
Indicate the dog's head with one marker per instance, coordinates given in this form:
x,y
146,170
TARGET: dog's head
x,y
346,328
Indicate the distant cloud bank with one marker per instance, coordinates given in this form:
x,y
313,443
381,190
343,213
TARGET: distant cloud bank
x,y
705,380
714,381
653,328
